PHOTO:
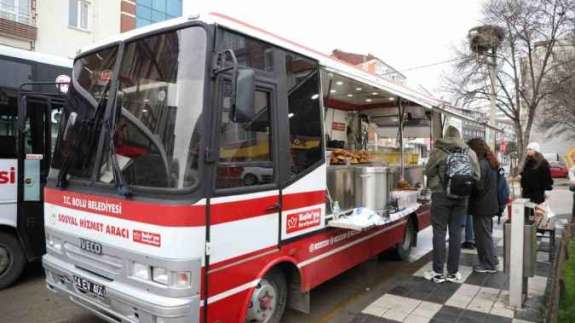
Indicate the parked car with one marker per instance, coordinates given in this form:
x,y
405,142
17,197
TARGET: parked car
x,y
558,169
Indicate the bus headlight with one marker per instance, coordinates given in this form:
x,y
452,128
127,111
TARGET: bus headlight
x,y
141,271
54,243
160,275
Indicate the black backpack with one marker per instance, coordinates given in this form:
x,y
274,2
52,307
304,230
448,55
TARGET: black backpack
x,y
459,181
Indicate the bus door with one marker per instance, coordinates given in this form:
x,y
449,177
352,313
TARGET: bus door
x,y
37,118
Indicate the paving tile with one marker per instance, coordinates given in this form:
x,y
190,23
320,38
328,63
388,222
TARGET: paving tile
x,y
395,315
421,272
363,318
422,289
488,294
468,290
473,317
520,321
463,296
502,311
411,318
468,259
497,280
459,301
398,303
480,305
426,309
448,314
374,310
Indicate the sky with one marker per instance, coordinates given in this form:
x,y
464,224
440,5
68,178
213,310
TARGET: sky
x,y
403,33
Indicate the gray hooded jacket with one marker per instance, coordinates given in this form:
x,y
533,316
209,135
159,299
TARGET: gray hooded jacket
x,y
436,167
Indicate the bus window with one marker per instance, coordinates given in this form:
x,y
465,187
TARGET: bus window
x,y
245,148
8,119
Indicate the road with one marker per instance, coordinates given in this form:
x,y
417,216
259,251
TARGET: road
x,y
335,301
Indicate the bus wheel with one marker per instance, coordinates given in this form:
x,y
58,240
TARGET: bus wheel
x,y
268,301
403,249
11,259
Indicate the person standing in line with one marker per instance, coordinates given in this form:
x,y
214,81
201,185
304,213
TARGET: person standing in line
x,y
448,207
484,205
536,175
469,240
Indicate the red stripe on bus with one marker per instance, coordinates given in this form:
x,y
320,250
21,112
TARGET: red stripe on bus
x,y
179,215
144,212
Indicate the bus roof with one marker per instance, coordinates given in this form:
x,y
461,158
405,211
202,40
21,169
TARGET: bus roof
x,y
23,54
327,62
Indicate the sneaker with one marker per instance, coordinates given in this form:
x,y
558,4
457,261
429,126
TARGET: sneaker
x,y
482,269
468,245
435,277
454,278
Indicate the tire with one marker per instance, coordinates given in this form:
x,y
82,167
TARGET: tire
x,y
12,259
276,281
403,249
250,179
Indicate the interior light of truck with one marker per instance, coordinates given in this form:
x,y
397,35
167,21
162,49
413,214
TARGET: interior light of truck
x,y
182,279
141,271
160,275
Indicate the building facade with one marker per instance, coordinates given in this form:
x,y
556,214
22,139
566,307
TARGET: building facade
x,y
62,27
140,13
370,64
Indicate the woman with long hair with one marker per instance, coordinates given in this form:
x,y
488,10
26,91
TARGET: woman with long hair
x,y
536,175
484,205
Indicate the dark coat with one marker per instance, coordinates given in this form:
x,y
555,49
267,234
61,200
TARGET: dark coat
x,y
535,180
483,200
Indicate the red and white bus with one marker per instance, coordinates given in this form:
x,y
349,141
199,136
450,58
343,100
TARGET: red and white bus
x,y
189,181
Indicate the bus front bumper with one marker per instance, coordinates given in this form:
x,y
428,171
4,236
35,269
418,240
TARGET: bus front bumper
x,y
122,302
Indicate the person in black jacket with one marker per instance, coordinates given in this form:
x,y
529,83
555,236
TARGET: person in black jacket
x,y
484,205
536,176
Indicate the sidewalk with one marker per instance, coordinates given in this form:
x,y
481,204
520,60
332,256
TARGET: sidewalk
x,y
480,297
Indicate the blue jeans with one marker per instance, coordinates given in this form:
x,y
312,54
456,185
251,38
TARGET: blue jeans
x,y
469,232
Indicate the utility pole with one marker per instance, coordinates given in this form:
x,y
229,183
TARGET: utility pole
x,y
484,42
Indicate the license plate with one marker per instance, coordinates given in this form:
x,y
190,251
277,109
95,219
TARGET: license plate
x,y
87,286
91,246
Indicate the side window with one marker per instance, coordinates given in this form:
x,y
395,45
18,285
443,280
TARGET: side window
x,y
8,119
304,114
245,148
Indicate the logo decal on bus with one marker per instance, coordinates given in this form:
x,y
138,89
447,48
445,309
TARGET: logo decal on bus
x,y
149,238
8,177
303,220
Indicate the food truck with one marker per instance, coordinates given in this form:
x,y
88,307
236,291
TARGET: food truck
x,y
207,170
28,122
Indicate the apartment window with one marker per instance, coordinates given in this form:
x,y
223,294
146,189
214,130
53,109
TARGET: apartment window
x,y
79,14
16,10
152,11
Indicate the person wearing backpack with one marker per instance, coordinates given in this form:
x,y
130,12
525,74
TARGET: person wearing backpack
x,y
484,205
451,171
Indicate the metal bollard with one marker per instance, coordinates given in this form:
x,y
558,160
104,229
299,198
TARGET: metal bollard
x,y
520,252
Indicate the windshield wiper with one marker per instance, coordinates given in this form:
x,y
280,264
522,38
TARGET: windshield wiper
x,y
121,185
91,127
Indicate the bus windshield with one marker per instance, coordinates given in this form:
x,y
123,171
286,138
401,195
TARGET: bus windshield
x,y
154,131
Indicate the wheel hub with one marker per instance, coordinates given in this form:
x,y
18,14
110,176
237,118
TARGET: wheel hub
x,y
263,303
4,259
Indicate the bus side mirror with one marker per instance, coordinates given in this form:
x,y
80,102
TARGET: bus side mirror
x,y
243,95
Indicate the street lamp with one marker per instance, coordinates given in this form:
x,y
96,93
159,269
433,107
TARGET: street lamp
x,y
484,42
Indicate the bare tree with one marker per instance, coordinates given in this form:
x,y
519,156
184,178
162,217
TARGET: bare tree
x,y
559,112
532,29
